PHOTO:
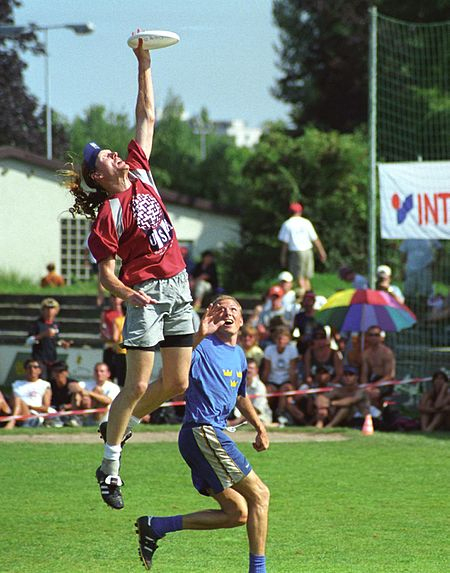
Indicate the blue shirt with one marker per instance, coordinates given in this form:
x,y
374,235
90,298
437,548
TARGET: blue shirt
x,y
216,378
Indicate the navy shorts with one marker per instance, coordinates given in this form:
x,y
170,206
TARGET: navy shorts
x,y
214,459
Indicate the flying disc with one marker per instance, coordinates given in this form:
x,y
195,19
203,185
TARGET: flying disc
x,y
153,39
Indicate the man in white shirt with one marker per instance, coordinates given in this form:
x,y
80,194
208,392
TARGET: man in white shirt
x,y
31,396
257,392
298,236
97,393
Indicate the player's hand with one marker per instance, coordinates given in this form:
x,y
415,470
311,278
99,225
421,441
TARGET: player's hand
x,y
261,442
140,299
212,320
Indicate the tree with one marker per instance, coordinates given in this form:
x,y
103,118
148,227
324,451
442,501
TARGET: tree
x,y
327,172
323,55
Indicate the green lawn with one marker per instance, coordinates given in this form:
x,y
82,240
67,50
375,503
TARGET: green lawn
x,y
368,504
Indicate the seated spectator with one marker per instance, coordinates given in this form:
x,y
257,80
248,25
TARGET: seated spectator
x,y
205,278
434,406
43,336
305,322
384,276
5,408
63,391
275,309
357,281
302,407
97,393
248,341
320,353
438,307
280,368
378,364
30,396
52,278
257,391
339,407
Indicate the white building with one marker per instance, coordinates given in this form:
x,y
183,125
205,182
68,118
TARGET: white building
x,y
36,226
244,136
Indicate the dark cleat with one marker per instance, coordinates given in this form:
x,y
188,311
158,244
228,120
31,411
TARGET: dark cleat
x,y
110,489
147,540
102,431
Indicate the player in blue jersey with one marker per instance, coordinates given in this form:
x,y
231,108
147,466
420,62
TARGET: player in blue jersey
x,y
216,384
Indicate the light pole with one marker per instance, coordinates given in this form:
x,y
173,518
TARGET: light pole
x,y
14,31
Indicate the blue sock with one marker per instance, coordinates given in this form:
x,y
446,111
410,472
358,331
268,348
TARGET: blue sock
x,y
163,525
257,564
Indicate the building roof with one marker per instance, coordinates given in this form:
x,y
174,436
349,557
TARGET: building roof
x,y
171,197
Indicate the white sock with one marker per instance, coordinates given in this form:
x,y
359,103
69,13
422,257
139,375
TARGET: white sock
x,y
132,422
112,452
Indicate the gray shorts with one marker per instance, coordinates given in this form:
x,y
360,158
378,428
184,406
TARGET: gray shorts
x,y
301,264
146,326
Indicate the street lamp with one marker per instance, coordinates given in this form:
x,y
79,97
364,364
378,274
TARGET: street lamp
x,y
14,31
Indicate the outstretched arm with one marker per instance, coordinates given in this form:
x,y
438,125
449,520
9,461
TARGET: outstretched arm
x,y
145,105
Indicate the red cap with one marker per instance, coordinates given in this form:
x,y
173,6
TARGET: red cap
x,y
276,291
295,207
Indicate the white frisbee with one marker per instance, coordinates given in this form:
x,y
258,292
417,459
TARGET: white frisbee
x,y
154,39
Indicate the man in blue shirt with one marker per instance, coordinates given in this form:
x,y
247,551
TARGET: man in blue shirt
x,y
216,384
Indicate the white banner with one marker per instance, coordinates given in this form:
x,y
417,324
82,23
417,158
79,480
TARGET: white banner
x,y
415,200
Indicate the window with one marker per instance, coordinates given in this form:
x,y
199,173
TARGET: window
x,y
74,261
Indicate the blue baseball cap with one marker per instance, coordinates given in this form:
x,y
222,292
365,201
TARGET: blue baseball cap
x,y
90,152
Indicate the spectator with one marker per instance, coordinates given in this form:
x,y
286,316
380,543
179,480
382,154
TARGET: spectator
x,y
107,319
419,255
384,276
434,406
378,364
5,408
319,354
256,391
248,341
280,368
97,393
31,396
52,278
305,323
205,278
297,236
341,404
302,407
357,281
285,281
63,391
43,336
275,309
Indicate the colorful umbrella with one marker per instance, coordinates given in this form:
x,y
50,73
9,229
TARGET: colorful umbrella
x,y
356,310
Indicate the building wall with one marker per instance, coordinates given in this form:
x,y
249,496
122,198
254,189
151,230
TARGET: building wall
x,y
32,204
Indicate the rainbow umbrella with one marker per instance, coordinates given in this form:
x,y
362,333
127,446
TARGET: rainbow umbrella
x,y
356,310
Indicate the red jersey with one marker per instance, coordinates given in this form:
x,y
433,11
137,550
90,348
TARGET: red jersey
x,y
135,226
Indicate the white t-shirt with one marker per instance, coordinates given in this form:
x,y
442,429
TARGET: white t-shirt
x,y
298,233
110,390
32,393
260,403
280,363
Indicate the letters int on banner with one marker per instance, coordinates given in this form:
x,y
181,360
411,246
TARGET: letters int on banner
x,y
415,200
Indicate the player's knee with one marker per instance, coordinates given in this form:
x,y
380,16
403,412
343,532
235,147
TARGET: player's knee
x,y
136,391
178,385
238,516
261,495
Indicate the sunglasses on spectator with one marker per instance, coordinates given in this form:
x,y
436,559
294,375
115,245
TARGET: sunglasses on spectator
x,y
32,366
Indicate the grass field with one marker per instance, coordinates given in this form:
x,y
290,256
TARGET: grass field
x,y
364,504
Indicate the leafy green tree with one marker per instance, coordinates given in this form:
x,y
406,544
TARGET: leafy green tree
x,y
323,54
327,172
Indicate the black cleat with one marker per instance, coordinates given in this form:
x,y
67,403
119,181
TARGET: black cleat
x,y
110,489
147,540
102,431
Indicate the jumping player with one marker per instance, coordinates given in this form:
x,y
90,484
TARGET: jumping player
x,y
216,384
131,222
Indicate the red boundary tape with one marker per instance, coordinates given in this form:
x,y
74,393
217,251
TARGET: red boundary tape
x,y
182,402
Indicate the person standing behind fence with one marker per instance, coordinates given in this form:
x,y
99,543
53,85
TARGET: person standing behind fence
x,y
132,223
298,236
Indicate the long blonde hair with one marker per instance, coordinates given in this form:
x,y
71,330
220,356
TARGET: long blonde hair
x,y
86,203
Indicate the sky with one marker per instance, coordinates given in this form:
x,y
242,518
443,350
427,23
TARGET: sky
x,y
225,60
